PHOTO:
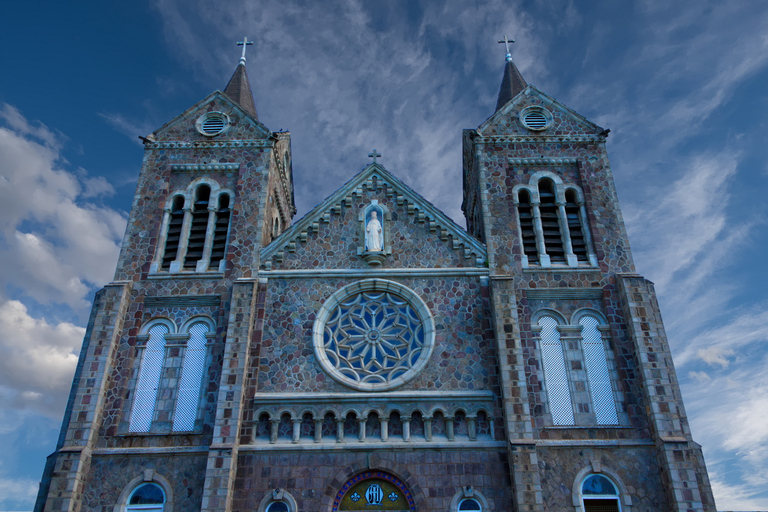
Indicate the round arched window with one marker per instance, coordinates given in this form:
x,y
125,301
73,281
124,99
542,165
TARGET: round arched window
x,y
147,497
599,494
278,506
373,335
470,504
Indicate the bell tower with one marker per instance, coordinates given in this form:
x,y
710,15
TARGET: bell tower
x,y
582,350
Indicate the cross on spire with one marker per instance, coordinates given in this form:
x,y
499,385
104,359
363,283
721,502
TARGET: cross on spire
x,y
244,43
506,44
373,155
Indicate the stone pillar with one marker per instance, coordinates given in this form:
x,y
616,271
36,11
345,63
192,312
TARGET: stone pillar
x,y
210,228
178,264
296,430
682,465
587,234
538,228
562,219
157,262
244,328
384,426
472,428
406,428
318,430
67,468
339,430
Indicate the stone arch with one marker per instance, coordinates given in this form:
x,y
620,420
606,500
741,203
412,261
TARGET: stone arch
x,y
372,463
597,468
148,476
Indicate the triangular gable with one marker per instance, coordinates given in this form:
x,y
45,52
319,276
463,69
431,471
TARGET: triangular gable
x,y
567,121
222,103
425,212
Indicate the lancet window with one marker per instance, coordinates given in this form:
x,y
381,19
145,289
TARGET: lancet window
x,y
578,369
194,230
170,375
553,223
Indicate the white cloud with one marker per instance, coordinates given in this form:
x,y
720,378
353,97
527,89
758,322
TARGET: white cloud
x,y
58,245
17,490
37,360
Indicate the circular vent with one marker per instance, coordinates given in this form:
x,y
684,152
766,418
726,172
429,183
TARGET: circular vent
x,y
212,123
536,118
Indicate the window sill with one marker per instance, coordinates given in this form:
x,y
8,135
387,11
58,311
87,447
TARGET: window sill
x,y
186,275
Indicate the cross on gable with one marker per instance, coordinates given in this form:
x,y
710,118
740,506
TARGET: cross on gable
x,y
244,43
506,44
373,155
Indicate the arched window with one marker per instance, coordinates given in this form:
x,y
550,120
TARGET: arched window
x,y
598,376
278,506
599,494
188,395
550,221
552,217
527,232
147,497
148,381
173,236
198,227
195,229
555,372
219,248
470,504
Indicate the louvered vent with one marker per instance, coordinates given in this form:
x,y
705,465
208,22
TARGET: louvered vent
x,y
535,118
212,123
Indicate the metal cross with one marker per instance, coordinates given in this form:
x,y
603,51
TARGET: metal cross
x,y
244,43
506,44
373,155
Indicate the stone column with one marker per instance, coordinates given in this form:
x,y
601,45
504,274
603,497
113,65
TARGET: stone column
x,y
243,331
562,220
683,470
587,235
384,426
210,228
296,430
538,228
157,261
318,430
406,428
178,263
67,468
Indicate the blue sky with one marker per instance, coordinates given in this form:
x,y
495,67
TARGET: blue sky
x,y
682,86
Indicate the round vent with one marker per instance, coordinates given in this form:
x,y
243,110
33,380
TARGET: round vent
x,y
536,118
212,123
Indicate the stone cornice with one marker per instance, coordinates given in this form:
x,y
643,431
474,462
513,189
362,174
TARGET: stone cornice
x,y
539,139
550,162
206,167
180,144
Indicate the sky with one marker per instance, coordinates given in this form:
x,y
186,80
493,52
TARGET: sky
x,y
681,85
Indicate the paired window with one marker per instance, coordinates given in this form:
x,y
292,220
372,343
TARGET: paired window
x,y
553,223
170,375
195,228
575,363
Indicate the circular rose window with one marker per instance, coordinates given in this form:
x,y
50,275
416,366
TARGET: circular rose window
x,y
373,335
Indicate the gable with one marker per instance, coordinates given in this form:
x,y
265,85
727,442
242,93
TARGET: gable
x,y
238,125
564,121
331,236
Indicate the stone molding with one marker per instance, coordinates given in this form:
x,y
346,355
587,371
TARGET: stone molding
x,y
180,144
380,272
543,161
206,167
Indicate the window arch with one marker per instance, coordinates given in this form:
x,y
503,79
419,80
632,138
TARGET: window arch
x,y
193,365
553,222
469,499
147,497
195,229
279,500
555,372
150,370
599,494
596,365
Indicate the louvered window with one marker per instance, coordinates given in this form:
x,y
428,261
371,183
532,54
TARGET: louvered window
x,y
173,237
198,227
555,373
145,396
221,229
188,395
574,226
598,375
550,222
528,235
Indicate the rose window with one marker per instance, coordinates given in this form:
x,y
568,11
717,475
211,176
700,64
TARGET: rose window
x,y
373,335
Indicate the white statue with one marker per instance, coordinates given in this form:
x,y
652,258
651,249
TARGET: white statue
x,y
374,235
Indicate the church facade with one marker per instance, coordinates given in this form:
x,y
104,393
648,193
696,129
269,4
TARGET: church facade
x,y
374,355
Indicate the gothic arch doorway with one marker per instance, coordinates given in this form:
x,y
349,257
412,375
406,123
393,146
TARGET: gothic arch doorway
x,y
374,491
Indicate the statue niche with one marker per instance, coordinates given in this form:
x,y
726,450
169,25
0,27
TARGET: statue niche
x,y
374,222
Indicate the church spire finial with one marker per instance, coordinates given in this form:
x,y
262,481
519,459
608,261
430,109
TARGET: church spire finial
x,y
239,88
513,82
505,41
245,43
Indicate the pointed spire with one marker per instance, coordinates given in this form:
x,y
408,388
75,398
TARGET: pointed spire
x,y
512,83
239,88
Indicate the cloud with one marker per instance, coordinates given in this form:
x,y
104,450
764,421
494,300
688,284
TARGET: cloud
x,y
127,126
58,245
37,360
17,491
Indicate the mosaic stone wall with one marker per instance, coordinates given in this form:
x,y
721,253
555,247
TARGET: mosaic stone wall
x,y
313,479
111,474
463,357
